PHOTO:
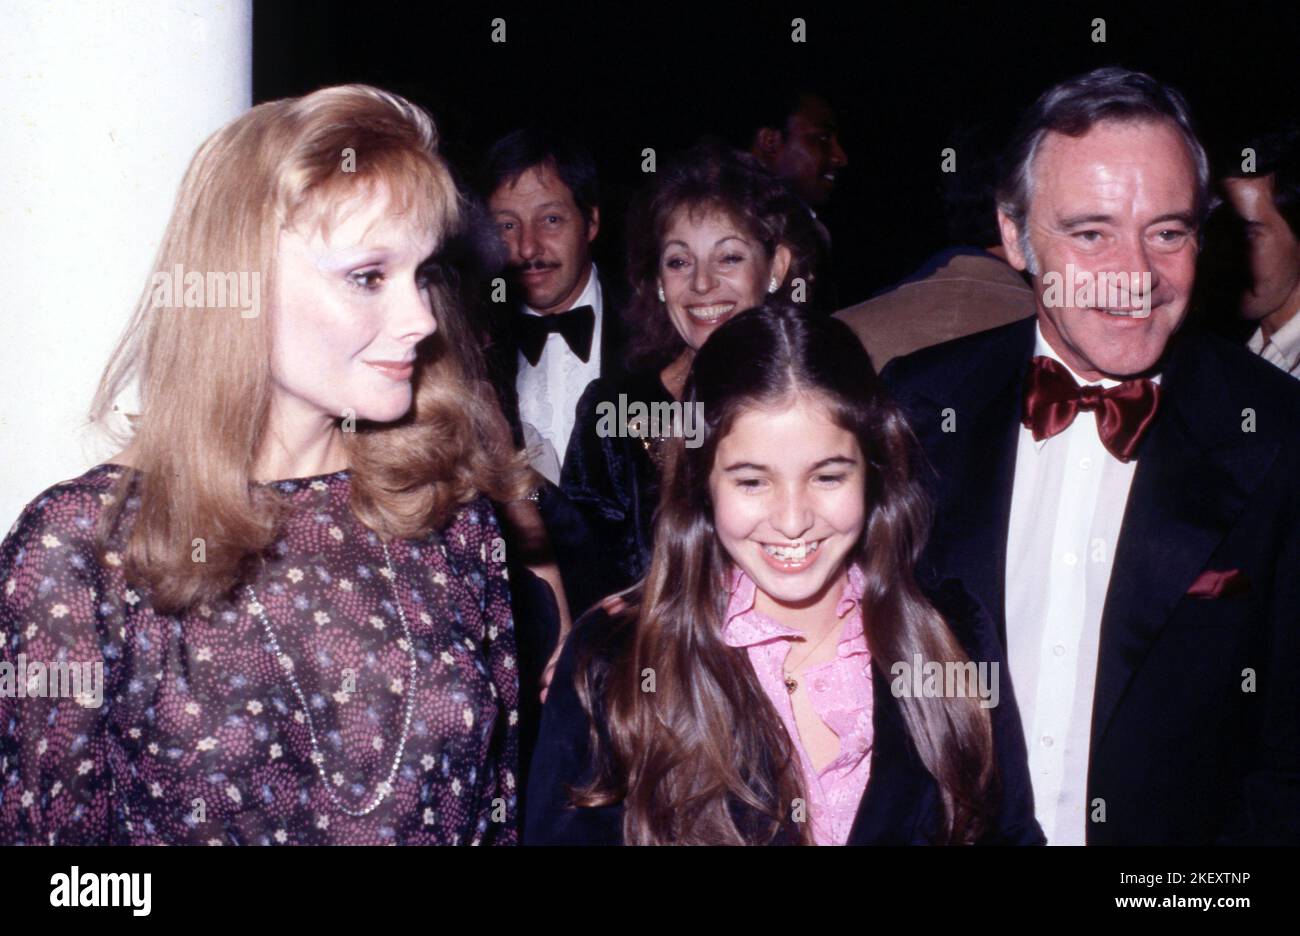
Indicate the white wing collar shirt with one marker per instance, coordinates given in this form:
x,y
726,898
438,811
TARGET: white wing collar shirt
x,y
549,391
1067,507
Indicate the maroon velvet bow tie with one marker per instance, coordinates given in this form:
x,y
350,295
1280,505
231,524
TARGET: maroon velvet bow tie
x,y
1053,399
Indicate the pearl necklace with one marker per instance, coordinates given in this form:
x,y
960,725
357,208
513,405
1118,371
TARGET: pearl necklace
x,y
386,786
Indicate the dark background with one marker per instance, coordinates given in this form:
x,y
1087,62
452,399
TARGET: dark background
x,y
901,80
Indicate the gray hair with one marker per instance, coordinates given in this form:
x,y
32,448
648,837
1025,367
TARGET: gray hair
x,y
1072,108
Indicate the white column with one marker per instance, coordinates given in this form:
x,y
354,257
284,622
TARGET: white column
x,y
102,104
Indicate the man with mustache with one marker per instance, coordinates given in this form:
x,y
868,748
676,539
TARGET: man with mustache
x,y
1120,492
561,330
541,192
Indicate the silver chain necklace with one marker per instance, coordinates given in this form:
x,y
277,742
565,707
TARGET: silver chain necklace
x,y
386,786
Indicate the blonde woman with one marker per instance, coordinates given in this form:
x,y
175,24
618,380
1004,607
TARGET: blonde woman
x,y
291,576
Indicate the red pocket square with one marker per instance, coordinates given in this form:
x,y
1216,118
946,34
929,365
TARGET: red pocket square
x,y
1215,583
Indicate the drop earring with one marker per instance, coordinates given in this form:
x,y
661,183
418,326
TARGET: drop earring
x,y
661,294
772,286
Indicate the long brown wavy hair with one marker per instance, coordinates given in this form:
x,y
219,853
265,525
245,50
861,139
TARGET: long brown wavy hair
x,y
204,377
707,740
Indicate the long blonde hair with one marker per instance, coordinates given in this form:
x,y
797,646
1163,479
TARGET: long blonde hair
x,y
205,375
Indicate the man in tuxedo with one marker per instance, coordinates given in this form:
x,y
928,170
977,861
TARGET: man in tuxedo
x,y
1121,494
559,332
563,328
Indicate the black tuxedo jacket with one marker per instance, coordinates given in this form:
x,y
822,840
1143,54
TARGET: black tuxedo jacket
x,y
536,614
571,536
901,804
1194,721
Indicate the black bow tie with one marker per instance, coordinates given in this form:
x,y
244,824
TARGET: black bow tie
x,y
575,326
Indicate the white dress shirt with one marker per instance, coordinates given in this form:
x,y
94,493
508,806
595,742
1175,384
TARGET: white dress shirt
x,y
549,392
1282,348
1067,506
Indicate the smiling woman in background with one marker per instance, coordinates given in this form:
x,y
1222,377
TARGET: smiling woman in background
x,y
291,575
713,236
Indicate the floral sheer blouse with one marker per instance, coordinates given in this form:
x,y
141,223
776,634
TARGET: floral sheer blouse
x,y
289,719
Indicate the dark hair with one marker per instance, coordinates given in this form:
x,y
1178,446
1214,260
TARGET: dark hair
x,y
768,98
708,737
709,175
772,107
1277,154
1073,107
967,193
520,150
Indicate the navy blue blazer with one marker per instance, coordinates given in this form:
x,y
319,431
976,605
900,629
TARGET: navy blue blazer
x,y
1184,749
901,804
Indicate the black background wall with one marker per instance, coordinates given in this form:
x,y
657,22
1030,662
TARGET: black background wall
x,y
627,76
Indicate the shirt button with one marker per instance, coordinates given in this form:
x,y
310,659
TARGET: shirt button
x,y
1085,463
819,686
1070,559
1047,740
1059,650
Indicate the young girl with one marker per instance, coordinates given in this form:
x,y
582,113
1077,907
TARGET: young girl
x,y
756,687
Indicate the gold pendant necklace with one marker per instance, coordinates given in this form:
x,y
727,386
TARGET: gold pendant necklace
x,y
792,684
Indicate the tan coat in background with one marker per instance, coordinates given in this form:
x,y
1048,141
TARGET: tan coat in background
x,y
968,293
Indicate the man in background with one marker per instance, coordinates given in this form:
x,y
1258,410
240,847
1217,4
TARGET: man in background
x,y
960,290
562,330
1267,200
